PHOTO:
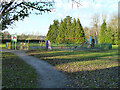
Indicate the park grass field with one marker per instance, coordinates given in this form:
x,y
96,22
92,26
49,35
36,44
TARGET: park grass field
x,y
86,69
16,73
3,46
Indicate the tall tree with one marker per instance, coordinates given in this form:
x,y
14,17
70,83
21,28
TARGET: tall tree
x,y
102,37
73,28
87,32
95,22
61,32
65,27
114,28
53,31
50,34
109,35
79,33
68,30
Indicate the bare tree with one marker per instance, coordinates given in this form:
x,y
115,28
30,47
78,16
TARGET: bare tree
x,y
87,32
95,23
104,16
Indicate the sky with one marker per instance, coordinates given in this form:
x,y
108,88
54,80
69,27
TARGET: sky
x,y
39,24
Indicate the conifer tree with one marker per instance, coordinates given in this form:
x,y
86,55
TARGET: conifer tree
x,y
79,32
60,33
113,23
50,34
116,37
102,38
65,28
109,35
53,31
73,28
68,30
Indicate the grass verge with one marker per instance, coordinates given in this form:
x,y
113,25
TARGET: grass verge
x,y
16,73
93,69
3,46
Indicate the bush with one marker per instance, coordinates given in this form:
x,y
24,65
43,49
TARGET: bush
x,y
106,45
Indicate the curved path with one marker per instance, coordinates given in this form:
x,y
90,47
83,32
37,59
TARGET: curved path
x,y
48,76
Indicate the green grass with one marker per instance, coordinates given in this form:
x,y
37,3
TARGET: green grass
x,y
94,68
16,73
114,46
36,44
3,46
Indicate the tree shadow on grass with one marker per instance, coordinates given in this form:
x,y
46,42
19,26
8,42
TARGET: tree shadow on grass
x,y
53,54
100,78
60,60
67,52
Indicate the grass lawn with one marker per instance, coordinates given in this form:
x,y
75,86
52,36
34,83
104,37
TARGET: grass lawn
x,y
3,46
16,73
93,69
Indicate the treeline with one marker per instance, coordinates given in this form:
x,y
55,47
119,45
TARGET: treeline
x,y
72,28
109,33
18,41
7,36
67,28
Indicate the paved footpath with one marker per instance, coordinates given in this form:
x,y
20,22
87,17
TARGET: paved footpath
x,y
48,76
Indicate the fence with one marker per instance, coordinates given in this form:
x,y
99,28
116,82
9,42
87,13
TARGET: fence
x,y
104,45
27,46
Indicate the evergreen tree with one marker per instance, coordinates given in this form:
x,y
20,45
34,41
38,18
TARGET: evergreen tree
x,y
116,37
73,27
50,34
102,38
64,28
114,28
60,32
79,32
68,30
109,35
53,31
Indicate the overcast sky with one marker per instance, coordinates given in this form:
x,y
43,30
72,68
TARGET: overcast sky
x,y
40,24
